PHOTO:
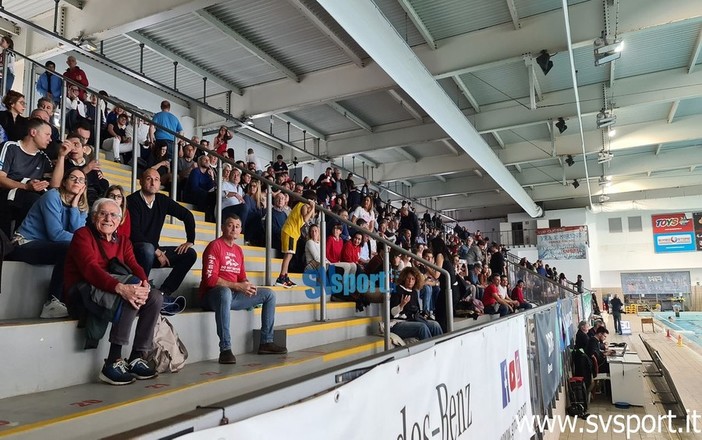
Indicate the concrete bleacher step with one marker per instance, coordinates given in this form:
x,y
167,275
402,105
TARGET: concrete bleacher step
x,y
298,336
59,344
94,410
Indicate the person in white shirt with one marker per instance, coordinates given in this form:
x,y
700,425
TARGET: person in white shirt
x,y
313,257
251,158
232,194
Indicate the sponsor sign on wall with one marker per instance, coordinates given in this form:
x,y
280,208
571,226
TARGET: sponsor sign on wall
x,y
472,386
567,243
673,233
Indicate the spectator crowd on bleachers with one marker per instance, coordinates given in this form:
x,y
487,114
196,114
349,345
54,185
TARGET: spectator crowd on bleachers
x,y
48,187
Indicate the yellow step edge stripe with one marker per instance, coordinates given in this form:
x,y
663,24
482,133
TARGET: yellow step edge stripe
x,y
371,346
331,325
289,308
157,394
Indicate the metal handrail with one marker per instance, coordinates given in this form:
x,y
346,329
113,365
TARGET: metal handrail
x,y
136,112
203,105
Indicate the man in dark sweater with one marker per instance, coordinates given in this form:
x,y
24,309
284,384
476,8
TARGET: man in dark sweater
x,y
497,261
148,210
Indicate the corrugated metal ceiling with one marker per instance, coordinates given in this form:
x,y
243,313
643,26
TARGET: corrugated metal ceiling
x,y
400,21
376,109
28,9
446,18
689,107
280,30
324,118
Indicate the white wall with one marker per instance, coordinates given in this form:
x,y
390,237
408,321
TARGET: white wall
x,y
634,252
488,227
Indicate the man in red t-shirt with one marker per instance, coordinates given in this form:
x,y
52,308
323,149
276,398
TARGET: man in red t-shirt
x,y
518,296
492,300
224,287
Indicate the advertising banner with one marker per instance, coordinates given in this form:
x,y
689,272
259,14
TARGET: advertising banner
x,y
569,322
568,243
587,305
697,220
549,334
473,386
673,233
656,283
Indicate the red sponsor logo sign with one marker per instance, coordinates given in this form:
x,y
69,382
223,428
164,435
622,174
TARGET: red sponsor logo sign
x,y
677,222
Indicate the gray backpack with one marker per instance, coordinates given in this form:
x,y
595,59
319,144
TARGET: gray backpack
x,y
169,352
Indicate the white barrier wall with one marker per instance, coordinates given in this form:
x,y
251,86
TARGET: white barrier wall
x,y
473,386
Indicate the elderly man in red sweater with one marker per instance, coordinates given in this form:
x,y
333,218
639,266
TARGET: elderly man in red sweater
x,y
91,287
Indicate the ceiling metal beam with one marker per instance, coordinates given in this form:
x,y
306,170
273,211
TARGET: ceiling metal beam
x,y
612,67
659,147
350,116
695,53
478,173
78,4
673,110
518,167
246,44
368,160
498,138
514,14
184,62
9,27
406,153
407,183
302,126
366,24
469,96
409,108
319,24
450,146
440,178
418,23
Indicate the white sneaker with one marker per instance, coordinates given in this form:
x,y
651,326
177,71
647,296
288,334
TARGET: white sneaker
x,y
54,309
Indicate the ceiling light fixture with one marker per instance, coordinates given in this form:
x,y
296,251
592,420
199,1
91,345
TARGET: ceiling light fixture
x,y
607,51
605,118
604,156
569,160
544,61
576,184
561,125
604,198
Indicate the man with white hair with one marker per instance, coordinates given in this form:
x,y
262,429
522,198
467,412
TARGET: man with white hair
x,y
95,290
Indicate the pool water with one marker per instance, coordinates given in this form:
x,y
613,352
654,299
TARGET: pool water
x,y
689,324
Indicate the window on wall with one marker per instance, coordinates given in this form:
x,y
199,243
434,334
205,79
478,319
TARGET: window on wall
x,y
615,225
635,224
554,223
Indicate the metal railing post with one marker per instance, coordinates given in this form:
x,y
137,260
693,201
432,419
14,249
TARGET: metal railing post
x,y
64,87
136,151
386,298
141,58
56,13
269,236
323,267
174,170
32,88
98,127
218,205
449,301
4,70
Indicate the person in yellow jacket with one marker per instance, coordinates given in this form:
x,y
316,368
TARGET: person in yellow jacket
x,y
290,233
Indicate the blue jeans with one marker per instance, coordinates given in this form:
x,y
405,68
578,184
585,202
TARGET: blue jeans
x,y
428,294
10,81
180,264
221,300
419,330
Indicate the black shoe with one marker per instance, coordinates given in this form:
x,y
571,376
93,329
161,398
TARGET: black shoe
x,y
271,348
227,357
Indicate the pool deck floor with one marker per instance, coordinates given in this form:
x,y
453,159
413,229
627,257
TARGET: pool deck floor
x,y
685,367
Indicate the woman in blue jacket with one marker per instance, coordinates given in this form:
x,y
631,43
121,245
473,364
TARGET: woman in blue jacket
x,y
47,231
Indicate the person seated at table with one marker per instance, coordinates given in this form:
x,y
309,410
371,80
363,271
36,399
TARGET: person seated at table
x,y
594,348
90,289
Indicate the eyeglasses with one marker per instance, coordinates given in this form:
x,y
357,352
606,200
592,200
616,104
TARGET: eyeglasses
x,y
22,102
76,179
115,196
112,215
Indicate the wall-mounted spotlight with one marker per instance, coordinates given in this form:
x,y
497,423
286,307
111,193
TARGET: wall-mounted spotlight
x,y
606,118
561,125
569,160
544,61
607,51
576,184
